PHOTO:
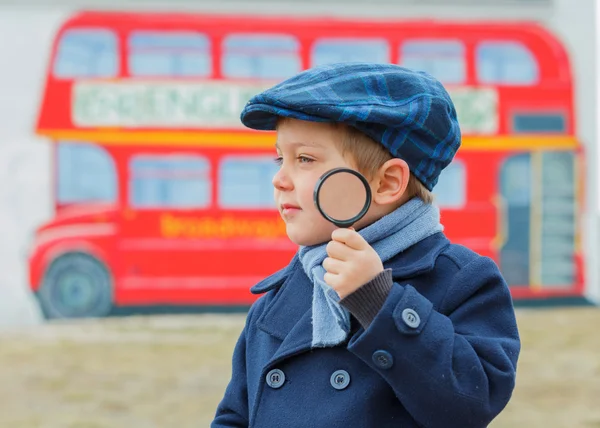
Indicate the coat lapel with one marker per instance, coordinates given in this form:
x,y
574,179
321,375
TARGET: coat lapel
x,y
288,317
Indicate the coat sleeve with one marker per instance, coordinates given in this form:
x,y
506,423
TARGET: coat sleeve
x,y
232,411
455,367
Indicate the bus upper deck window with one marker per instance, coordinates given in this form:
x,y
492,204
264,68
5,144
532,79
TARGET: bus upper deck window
x,y
524,123
87,53
333,50
506,63
179,181
266,56
154,53
443,59
245,182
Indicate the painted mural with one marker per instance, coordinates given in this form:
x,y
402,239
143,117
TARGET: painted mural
x,y
161,197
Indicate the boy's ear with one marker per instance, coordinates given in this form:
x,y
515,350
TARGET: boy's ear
x,y
391,182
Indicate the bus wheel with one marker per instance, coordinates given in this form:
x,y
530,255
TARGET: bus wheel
x,y
76,285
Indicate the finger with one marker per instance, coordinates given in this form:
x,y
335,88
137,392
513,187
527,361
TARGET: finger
x,y
331,279
332,265
349,237
338,250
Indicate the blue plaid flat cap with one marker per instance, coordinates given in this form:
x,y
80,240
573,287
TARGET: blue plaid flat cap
x,y
407,111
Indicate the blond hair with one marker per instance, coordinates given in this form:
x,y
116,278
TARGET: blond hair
x,y
370,155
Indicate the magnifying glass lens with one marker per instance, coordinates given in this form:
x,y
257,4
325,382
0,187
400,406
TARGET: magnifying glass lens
x,y
343,196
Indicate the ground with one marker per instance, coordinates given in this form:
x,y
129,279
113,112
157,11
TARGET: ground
x,y
170,371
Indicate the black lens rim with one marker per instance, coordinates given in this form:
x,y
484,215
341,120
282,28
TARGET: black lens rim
x,y
361,214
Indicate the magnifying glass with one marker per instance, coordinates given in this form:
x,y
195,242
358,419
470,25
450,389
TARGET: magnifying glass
x,y
342,196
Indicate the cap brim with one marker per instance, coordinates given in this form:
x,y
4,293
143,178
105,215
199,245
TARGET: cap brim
x,y
264,117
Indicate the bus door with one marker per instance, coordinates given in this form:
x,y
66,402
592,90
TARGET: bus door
x,y
538,213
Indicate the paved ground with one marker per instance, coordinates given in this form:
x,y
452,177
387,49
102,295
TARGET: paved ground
x,y
170,371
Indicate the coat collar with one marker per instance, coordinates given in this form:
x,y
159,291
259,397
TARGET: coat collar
x,y
288,316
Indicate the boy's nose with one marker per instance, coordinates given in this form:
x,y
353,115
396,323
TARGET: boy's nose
x,y
281,181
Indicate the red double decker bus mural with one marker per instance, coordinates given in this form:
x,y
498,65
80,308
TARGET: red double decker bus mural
x,y
162,197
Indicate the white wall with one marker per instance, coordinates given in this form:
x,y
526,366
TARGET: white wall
x,y
24,160
26,31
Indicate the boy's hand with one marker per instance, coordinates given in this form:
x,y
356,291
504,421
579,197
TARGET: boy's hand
x,y
352,262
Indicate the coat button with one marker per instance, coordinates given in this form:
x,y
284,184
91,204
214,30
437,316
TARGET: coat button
x,y
411,318
383,359
340,379
275,378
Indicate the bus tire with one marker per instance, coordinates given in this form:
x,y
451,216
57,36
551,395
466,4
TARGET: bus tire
x,y
76,285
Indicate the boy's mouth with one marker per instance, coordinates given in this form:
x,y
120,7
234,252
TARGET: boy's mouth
x,y
287,209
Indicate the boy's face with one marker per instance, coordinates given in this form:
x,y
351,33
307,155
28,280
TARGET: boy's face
x,y
305,150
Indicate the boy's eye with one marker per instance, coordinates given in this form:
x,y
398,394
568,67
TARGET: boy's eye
x,y
304,159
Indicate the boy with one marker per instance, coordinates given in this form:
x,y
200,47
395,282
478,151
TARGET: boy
x,y
386,324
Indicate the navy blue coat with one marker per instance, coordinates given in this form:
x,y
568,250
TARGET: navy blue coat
x,y
453,364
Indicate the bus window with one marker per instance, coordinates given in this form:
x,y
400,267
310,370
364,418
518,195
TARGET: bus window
x,y
328,51
245,182
443,59
506,63
175,181
451,190
516,191
539,122
87,53
268,56
154,53
85,173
